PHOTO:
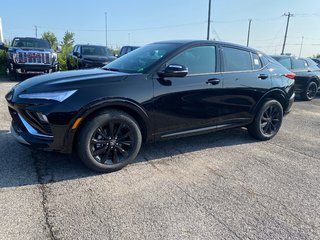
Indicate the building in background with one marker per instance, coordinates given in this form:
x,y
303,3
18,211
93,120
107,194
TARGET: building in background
x,y
1,31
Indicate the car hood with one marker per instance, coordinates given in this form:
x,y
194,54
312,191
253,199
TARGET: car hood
x,y
101,59
14,49
63,80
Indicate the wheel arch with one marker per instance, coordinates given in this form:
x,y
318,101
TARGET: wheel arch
x,y
130,107
276,94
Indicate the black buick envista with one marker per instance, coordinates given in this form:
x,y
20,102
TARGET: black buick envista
x,y
160,91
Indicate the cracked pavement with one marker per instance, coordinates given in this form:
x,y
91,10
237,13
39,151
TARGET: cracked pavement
x,y
223,185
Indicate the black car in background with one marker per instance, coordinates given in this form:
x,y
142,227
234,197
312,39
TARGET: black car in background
x,y
126,49
307,80
30,56
89,56
317,61
160,91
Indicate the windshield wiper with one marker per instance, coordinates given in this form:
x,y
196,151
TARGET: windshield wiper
x,y
112,69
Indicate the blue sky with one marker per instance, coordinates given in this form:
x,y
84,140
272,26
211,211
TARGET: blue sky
x,y
143,21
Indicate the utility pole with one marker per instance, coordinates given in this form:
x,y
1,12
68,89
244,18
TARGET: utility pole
x,y
249,28
301,46
209,20
288,15
106,22
36,30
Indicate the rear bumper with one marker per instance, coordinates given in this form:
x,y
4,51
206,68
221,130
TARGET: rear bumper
x,y
290,103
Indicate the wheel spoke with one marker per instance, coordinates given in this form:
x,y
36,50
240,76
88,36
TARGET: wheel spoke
x,y
99,151
124,136
263,125
115,157
121,125
123,152
95,141
127,143
105,155
102,133
111,128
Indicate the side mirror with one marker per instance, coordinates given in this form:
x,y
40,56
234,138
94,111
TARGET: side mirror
x,y
59,49
3,47
174,70
76,54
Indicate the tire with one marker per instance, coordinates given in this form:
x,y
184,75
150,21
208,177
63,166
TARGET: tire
x,y
268,121
13,76
109,141
310,92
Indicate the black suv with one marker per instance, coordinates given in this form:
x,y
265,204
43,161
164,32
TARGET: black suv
x,y
89,56
29,56
160,91
126,49
307,75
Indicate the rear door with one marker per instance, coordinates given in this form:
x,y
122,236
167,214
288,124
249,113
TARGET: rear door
x,y
245,80
190,103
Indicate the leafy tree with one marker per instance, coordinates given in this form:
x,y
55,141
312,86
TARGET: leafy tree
x,y
51,38
66,47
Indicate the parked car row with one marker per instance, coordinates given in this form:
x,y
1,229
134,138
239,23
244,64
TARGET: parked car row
x,y
307,80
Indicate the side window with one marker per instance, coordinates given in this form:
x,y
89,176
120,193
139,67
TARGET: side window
x,y
236,60
299,64
285,62
197,59
75,48
256,62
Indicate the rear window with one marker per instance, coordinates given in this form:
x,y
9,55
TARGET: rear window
x,y
236,60
299,63
286,62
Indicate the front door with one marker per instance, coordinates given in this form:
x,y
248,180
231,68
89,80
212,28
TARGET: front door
x,y
188,104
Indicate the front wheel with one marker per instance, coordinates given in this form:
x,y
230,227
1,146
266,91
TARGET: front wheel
x,y
310,92
267,121
109,141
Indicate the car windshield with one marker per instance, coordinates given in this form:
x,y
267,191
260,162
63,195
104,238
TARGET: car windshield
x,y
30,43
95,51
141,59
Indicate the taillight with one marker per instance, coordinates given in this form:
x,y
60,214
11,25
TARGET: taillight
x,y
290,75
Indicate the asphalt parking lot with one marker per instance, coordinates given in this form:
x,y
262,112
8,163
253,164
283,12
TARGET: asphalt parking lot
x,y
218,186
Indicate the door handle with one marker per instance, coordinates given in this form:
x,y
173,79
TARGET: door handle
x,y
263,76
213,81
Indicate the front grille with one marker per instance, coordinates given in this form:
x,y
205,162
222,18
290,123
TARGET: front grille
x,y
33,57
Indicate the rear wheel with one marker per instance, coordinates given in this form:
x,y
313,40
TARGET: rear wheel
x,y
267,121
310,92
109,141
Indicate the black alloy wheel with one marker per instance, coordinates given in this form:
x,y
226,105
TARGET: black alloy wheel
x,y
268,121
109,141
311,91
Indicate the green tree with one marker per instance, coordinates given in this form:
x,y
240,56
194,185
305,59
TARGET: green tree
x,y
66,47
51,38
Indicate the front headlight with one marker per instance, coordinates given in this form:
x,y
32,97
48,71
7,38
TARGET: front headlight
x,y
56,96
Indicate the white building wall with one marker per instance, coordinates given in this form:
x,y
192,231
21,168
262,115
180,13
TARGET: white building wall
x,y
1,31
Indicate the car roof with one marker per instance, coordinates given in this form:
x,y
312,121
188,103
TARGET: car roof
x,y
194,42
89,45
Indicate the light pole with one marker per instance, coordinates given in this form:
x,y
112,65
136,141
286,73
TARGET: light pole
x,y
249,28
106,22
285,35
209,20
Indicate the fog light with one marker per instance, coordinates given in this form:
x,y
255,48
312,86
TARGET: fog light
x,y
42,117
